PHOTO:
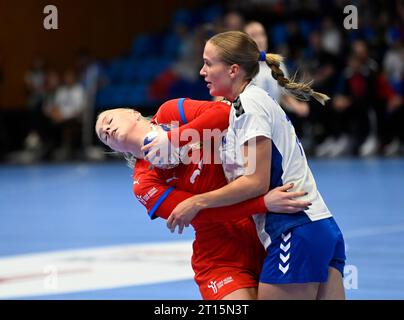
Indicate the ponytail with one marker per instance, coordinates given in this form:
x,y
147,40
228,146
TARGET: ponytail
x,y
301,91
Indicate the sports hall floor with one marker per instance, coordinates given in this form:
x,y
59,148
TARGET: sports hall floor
x,y
75,231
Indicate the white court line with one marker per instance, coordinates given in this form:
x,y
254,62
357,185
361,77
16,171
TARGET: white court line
x,y
94,268
86,269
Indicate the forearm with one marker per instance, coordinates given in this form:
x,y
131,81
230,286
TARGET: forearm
x,y
176,196
234,212
241,189
247,186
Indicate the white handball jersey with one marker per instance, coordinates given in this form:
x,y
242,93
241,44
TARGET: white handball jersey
x,y
265,80
254,113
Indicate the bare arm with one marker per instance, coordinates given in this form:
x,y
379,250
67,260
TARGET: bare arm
x,y
253,184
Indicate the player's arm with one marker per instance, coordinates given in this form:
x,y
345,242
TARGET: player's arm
x,y
193,120
255,143
202,118
245,187
254,183
160,199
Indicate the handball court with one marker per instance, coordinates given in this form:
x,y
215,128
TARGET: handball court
x,y
76,231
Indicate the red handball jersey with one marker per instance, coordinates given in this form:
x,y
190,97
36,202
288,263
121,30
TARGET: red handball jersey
x,y
227,254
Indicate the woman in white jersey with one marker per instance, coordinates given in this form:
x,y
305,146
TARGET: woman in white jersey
x,y
306,253
264,79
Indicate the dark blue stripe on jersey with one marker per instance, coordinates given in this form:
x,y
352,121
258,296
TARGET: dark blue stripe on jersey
x,y
278,223
276,167
159,202
181,110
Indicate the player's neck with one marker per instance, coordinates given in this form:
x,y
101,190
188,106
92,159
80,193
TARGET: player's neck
x,y
142,129
237,89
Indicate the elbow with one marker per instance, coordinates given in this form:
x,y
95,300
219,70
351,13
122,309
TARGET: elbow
x,y
263,188
259,188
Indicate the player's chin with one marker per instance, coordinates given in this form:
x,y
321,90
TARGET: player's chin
x,y
213,92
123,143
216,92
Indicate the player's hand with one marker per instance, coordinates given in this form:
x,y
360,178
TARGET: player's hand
x,y
281,200
182,215
159,151
159,141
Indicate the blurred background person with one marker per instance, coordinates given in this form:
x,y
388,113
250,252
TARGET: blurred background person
x,y
66,116
162,63
233,21
34,81
296,110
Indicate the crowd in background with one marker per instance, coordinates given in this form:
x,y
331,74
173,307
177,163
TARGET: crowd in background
x,y
362,70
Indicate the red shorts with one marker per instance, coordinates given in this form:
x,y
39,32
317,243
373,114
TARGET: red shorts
x,y
227,257
220,282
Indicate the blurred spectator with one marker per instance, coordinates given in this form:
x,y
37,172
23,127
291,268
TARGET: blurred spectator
x,y
233,21
88,71
296,110
331,39
41,123
183,79
295,41
393,64
371,145
391,113
91,79
363,118
34,84
322,67
355,97
392,134
66,116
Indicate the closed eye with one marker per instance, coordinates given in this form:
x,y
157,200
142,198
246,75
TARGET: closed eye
x,y
106,134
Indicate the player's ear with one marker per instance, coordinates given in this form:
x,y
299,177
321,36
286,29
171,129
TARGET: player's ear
x,y
234,70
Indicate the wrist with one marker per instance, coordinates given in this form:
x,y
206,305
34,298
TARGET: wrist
x,y
200,202
262,205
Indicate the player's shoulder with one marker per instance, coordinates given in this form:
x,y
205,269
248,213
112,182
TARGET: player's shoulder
x,y
169,105
253,100
141,166
205,104
254,95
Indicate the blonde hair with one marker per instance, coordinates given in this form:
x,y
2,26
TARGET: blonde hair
x,y
130,158
237,47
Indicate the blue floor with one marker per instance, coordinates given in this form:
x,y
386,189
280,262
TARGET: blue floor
x,y
56,207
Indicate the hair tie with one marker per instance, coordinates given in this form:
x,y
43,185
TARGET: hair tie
x,y
263,56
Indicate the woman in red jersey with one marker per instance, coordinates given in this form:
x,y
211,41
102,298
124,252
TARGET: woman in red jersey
x,y
227,255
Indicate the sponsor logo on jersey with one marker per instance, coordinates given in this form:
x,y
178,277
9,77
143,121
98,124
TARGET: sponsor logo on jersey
x,y
216,285
213,286
147,196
